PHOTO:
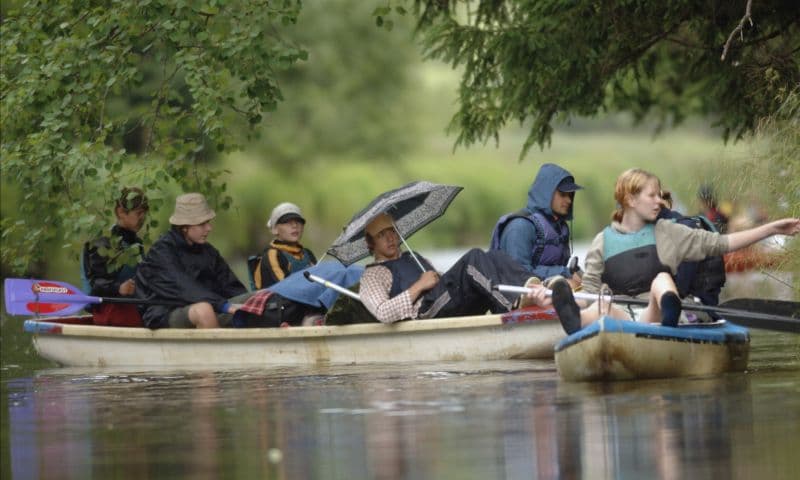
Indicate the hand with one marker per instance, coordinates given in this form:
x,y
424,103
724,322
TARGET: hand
x,y
127,288
428,280
786,226
538,295
233,307
575,281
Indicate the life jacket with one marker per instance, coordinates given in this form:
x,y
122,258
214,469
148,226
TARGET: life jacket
x,y
631,260
703,279
284,260
551,247
405,272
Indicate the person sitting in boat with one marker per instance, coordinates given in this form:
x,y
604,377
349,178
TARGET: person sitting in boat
x,y
538,236
108,263
285,254
710,209
395,287
182,265
703,279
638,253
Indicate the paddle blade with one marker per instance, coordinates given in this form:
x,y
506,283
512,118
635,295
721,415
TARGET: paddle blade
x,y
43,297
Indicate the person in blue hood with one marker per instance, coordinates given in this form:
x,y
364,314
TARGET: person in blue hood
x,y
538,236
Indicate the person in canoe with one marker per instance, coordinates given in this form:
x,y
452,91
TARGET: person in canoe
x,y
393,288
538,236
703,279
108,263
285,254
638,254
182,265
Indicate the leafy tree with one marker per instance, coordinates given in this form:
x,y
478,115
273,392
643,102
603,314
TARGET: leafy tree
x,y
101,94
354,95
541,61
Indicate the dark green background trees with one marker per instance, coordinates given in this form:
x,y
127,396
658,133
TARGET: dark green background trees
x,y
545,61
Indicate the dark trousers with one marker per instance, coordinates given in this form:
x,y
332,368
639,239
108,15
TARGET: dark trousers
x,y
466,289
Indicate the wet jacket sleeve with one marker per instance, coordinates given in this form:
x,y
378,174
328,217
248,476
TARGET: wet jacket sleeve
x,y
166,279
518,240
594,265
677,243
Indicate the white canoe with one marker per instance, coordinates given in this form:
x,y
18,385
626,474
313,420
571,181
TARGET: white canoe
x,y
524,334
612,349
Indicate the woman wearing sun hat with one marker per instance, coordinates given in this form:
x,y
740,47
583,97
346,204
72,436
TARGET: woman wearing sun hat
x,y
183,266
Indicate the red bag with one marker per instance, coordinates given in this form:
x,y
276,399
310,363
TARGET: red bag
x,y
117,315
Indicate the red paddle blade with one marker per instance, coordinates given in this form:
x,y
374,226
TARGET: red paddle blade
x,y
43,297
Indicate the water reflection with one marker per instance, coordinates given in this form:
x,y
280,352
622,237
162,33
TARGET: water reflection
x,y
487,420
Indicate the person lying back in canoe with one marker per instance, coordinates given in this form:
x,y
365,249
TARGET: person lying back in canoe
x,y
638,254
108,263
394,288
538,236
285,254
183,266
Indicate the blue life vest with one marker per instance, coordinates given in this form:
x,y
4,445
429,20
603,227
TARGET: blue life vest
x,y
551,247
631,260
405,272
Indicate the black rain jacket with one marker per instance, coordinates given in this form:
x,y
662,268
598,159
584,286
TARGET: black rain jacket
x,y
176,271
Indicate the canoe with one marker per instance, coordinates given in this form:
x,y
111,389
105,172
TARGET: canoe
x,y
524,334
612,349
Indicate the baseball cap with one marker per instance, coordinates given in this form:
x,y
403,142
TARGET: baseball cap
x,y
568,185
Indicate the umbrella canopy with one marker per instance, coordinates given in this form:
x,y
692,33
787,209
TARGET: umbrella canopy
x,y
412,206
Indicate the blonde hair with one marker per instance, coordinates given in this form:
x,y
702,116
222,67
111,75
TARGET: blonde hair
x,y
630,183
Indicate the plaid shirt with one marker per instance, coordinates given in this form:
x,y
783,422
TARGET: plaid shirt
x,y
376,282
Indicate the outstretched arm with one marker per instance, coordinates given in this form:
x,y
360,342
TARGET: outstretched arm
x,y
786,226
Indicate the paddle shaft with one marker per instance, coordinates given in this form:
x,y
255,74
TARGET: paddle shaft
x,y
88,299
747,318
314,278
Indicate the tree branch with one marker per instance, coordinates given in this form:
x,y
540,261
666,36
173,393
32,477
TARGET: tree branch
x,y
738,29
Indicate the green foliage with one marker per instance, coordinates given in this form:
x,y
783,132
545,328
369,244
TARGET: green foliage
x,y
79,78
354,97
540,62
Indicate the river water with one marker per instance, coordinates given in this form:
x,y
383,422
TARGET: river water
x,y
479,420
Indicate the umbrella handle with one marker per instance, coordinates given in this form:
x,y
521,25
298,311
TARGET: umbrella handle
x,y
409,248
314,278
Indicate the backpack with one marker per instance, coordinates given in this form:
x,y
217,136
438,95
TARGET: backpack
x,y
703,279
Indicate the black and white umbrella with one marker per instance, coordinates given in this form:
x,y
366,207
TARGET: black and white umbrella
x,y
412,206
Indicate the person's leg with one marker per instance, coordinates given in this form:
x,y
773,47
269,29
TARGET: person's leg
x,y
190,315
179,318
467,288
571,316
202,315
664,304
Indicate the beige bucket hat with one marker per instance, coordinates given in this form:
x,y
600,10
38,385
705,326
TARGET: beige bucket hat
x,y
191,209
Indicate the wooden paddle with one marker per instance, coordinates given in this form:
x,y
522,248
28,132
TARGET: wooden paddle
x,y
49,297
748,312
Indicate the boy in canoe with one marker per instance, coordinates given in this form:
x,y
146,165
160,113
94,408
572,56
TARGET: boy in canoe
x,y
394,288
285,254
538,236
182,265
108,263
638,254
